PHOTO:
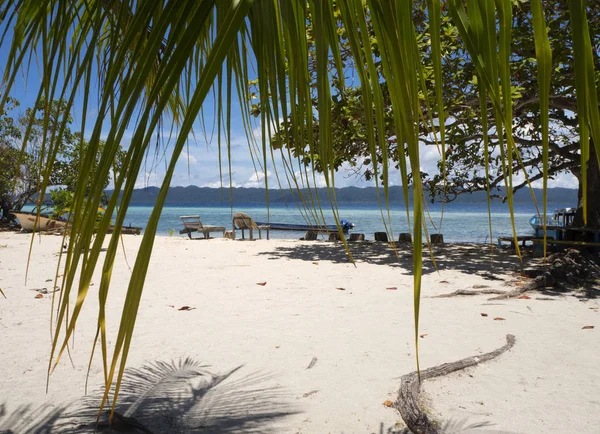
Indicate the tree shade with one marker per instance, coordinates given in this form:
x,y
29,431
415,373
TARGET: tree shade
x,y
152,65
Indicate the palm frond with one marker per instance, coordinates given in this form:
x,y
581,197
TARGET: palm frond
x,y
155,63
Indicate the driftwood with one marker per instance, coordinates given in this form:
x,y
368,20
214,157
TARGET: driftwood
x,y
466,292
410,388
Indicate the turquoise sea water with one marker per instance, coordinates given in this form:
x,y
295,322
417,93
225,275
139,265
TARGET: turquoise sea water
x,y
461,223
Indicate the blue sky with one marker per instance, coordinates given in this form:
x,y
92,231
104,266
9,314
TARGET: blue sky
x,y
200,164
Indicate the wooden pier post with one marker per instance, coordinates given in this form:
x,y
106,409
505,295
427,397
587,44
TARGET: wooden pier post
x,y
437,239
405,238
310,236
381,236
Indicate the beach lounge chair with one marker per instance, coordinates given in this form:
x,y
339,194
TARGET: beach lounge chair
x,y
192,223
244,221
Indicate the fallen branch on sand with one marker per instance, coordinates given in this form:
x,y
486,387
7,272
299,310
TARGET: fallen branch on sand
x,y
410,388
467,292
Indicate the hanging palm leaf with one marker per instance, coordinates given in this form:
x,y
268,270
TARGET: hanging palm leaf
x,y
148,66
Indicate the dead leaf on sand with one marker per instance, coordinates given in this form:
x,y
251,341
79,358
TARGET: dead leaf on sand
x,y
524,297
594,308
261,283
39,296
170,305
312,363
186,308
315,263
444,281
341,289
519,284
423,335
483,314
587,327
312,392
388,403
392,288
499,318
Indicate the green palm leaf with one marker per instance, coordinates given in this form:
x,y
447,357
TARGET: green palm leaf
x,y
154,63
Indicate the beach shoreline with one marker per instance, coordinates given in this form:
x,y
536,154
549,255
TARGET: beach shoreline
x,y
320,347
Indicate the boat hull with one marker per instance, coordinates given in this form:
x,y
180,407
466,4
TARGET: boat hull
x,y
30,222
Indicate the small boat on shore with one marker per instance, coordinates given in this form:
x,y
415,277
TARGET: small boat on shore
x,y
126,230
561,217
346,226
31,221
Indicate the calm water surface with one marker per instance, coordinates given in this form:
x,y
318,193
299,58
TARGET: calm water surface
x,y
461,223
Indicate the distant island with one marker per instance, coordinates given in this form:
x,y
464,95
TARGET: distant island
x,y
205,196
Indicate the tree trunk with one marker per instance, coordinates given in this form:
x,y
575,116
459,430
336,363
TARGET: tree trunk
x,y
4,207
593,194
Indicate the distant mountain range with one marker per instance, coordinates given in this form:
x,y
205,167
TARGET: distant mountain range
x,y
204,196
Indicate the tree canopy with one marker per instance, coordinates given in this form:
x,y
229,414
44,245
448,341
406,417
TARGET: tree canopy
x,y
462,170
20,178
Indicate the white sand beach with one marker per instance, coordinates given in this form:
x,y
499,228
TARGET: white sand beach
x,y
318,348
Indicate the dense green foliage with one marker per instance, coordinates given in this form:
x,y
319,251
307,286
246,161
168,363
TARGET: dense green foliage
x,y
22,160
464,162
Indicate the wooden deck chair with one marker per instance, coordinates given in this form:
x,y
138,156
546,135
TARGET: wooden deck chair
x,y
192,223
244,221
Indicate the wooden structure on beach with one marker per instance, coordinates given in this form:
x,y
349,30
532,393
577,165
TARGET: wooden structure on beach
x,y
192,223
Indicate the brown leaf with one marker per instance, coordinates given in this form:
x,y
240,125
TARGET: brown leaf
x,y
186,308
341,289
444,281
519,284
587,327
388,403
262,283
170,305
39,296
483,314
423,335
315,263
499,318
392,288
524,297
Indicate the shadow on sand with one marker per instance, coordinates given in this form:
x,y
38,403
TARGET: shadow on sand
x,y
467,258
167,397
184,397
